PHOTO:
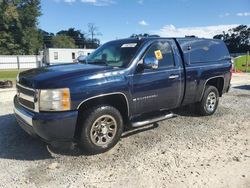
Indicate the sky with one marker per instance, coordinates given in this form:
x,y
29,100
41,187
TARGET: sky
x,y
167,18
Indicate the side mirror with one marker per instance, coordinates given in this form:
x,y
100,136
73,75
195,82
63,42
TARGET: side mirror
x,y
81,58
150,63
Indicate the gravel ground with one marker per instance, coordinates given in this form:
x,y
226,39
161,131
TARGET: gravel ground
x,y
186,151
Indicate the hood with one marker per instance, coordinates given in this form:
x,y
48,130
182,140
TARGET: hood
x,y
31,78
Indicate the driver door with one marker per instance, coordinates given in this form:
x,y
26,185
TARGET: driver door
x,y
156,89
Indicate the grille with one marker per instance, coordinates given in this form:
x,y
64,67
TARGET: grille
x,y
25,90
26,103
26,96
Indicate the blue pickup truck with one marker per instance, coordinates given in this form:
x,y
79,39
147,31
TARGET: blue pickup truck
x,y
128,82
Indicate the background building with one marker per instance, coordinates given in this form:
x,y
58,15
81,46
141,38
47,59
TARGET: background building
x,y
64,55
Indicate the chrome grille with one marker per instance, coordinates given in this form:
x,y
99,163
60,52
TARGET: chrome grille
x,y
26,97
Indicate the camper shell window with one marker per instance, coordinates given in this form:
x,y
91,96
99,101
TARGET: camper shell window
x,y
203,50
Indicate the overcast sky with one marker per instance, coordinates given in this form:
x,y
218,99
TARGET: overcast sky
x,y
121,18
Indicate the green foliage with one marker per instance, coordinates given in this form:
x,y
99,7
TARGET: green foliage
x,y
77,35
32,41
18,22
237,39
46,37
63,41
9,22
80,38
240,63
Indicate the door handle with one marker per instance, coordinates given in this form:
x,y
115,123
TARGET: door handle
x,y
173,76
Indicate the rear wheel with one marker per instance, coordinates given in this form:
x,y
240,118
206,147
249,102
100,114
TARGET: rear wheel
x,y
209,103
101,129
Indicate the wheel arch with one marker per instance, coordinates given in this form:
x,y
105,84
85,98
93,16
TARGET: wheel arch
x,y
217,81
118,100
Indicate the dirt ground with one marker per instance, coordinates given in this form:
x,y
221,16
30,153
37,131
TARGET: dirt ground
x,y
186,151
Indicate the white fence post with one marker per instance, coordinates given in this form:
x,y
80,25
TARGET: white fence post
x,y
37,63
18,62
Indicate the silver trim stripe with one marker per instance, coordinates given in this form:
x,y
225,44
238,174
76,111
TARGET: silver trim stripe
x,y
26,97
27,107
25,87
26,118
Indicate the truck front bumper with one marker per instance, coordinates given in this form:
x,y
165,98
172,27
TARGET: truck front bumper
x,y
52,127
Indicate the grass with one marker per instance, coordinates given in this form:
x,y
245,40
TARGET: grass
x,y
239,63
9,74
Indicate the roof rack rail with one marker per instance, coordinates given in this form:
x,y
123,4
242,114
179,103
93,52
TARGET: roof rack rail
x,y
147,36
140,36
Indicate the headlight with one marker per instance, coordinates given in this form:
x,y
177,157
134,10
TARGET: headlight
x,y
54,99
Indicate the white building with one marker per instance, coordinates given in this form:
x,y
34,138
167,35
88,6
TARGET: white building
x,y
64,55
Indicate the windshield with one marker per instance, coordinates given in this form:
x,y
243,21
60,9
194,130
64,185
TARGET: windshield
x,y
115,54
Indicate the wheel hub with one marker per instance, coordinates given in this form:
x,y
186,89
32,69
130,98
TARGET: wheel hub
x,y
211,102
103,130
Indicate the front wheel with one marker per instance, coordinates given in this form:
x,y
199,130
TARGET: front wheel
x,y
210,100
101,129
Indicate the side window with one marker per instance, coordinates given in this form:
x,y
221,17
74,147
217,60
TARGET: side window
x,y
163,52
73,55
55,55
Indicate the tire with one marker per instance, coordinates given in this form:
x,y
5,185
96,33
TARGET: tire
x,y
101,129
209,102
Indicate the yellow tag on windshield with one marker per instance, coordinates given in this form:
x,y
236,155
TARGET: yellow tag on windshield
x,y
158,54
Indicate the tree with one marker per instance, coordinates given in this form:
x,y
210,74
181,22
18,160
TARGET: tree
x,y
77,35
47,38
32,41
63,41
29,11
18,27
237,39
9,23
95,43
93,31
